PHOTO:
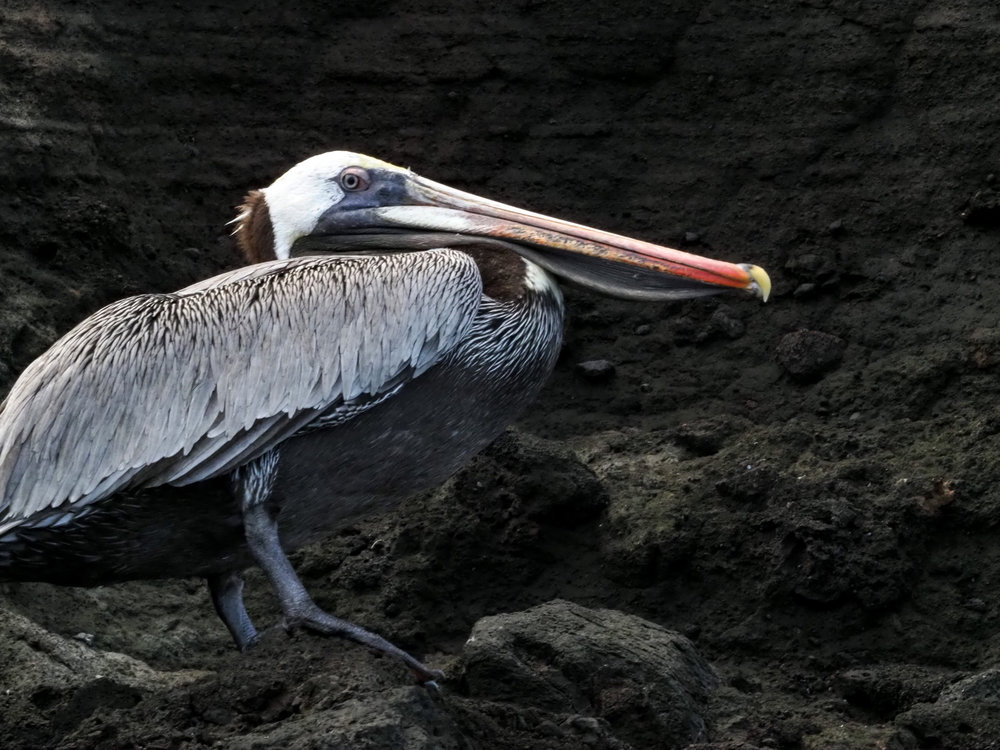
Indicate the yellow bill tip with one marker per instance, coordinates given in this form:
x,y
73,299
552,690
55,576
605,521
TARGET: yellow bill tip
x,y
760,282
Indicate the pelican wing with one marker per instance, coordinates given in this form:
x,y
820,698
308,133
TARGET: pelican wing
x,y
176,388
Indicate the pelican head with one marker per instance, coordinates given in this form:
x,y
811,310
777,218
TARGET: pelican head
x,y
347,202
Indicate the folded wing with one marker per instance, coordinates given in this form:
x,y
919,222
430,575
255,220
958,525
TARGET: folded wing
x,y
177,388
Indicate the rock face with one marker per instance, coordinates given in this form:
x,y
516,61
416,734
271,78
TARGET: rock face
x,y
597,677
596,370
830,544
52,685
809,355
648,683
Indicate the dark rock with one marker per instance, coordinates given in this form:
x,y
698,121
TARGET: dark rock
x,y
966,715
809,355
811,267
596,370
707,436
975,604
749,484
724,321
53,685
550,482
984,686
648,682
887,690
983,209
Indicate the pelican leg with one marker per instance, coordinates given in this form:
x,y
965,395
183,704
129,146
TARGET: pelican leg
x,y
298,606
227,596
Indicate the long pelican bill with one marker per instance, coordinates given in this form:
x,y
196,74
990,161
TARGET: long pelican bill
x,y
494,219
404,210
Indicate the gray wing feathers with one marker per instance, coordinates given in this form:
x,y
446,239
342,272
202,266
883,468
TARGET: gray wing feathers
x,y
177,388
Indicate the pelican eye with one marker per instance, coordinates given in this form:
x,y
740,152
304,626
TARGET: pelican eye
x,y
353,179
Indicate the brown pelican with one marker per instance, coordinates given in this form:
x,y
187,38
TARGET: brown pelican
x,y
201,432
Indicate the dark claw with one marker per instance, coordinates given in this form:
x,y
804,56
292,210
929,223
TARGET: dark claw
x,y
428,678
249,644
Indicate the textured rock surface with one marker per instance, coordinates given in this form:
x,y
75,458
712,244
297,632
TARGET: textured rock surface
x,y
53,685
808,355
566,658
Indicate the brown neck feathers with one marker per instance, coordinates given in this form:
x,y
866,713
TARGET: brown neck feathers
x,y
254,233
502,271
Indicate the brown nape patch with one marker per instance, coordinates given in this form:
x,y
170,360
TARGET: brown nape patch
x,y
254,233
503,271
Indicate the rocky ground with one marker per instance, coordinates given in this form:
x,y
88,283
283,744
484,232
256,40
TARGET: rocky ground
x,y
771,527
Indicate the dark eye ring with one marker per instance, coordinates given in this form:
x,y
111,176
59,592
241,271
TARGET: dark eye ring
x,y
354,179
